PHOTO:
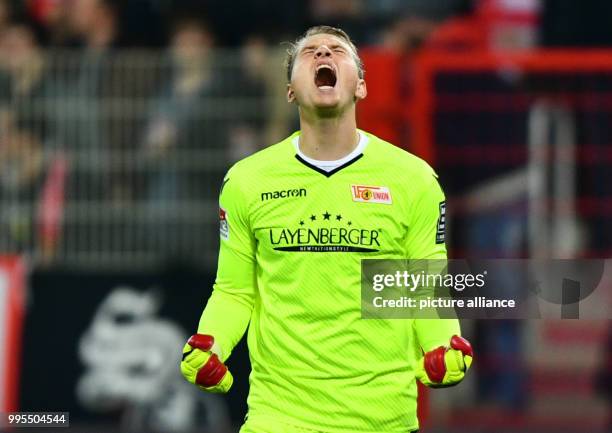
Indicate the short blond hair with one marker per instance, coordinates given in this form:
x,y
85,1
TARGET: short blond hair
x,y
321,30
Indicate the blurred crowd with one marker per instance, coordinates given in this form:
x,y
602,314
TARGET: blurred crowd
x,y
64,78
111,101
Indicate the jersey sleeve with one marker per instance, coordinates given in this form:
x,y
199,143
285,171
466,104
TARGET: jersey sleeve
x,y
228,311
426,240
426,229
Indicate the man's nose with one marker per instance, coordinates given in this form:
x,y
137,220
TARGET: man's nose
x,y
322,51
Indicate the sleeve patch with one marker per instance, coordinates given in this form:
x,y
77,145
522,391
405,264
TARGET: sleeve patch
x,y
441,229
223,224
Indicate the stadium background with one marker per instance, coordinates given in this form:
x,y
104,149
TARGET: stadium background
x,y
118,120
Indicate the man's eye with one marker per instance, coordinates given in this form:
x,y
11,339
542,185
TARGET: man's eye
x,y
339,50
308,51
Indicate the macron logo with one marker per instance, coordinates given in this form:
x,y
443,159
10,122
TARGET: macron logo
x,y
301,192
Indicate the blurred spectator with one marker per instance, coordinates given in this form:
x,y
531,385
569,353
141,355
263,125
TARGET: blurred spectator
x,y
22,100
279,121
191,72
88,77
92,124
21,176
385,111
95,22
262,118
51,17
406,35
5,19
188,116
184,114
246,133
32,185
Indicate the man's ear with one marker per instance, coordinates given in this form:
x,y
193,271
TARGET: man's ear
x,y
361,91
290,94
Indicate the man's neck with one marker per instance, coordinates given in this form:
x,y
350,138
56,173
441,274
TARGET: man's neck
x,y
328,139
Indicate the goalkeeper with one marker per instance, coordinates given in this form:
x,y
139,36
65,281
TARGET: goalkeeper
x,y
295,221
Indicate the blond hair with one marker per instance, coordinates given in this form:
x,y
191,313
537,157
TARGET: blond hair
x,y
321,30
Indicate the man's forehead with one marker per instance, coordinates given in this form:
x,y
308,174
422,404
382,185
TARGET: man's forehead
x,y
322,39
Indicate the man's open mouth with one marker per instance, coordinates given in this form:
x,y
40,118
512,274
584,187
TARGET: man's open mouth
x,y
325,77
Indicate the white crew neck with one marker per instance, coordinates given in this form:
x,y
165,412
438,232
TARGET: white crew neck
x,y
328,166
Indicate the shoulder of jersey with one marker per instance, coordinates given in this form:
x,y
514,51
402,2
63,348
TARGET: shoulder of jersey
x,y
396,158
266,158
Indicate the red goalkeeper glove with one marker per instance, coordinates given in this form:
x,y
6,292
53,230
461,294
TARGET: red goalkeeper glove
x,y
445,366
202,367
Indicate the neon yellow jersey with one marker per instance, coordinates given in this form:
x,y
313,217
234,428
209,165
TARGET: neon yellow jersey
x,y
292,237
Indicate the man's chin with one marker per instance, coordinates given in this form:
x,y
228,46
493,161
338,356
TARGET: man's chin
x,y
328,106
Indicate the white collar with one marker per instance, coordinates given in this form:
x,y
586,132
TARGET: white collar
x,y
330,165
